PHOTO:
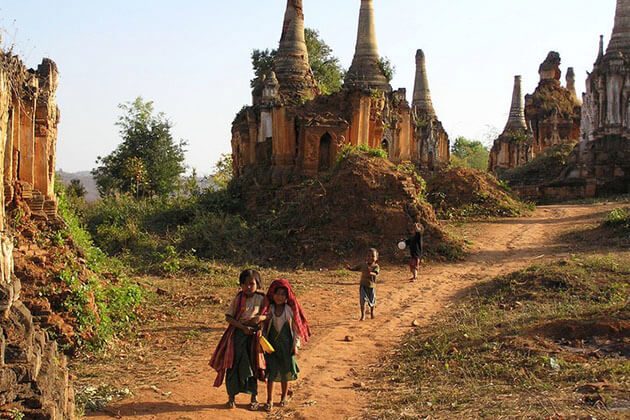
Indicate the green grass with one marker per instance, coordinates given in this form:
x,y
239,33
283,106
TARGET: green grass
x,y
497,353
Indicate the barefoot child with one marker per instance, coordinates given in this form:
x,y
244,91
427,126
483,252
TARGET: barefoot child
x,y
367,290
415,245
238,358
285,327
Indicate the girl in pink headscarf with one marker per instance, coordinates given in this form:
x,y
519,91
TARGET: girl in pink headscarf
x,y
285,328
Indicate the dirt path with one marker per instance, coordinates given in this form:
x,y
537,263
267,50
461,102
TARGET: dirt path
x,y
332,368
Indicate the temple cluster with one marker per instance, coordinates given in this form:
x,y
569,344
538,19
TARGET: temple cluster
x,y
598,126
291,129
548,117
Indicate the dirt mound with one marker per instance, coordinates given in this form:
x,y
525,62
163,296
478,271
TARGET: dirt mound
x,y
363,202
54,276
464,192
571,329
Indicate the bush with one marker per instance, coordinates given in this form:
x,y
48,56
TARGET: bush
x,y
348,150
619,217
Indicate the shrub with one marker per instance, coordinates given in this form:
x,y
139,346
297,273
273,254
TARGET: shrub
x,y
349,150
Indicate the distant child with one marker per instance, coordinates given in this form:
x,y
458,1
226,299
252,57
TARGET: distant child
x,y
415,245
238,357
285,328
367,289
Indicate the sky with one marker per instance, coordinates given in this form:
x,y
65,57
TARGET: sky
x,y
192,58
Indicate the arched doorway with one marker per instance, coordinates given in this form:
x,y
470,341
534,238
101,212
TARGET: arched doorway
x,y
385,145
325,147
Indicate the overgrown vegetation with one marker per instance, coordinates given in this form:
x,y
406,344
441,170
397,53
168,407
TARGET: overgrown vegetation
x,y
542,169
469,154
326,67
348,150
461,193
550,340
102,301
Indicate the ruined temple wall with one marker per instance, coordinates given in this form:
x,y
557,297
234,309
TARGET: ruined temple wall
x,y
34,377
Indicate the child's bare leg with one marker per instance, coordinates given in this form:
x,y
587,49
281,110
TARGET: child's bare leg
x,y
372,312
414,273
269,392
362,312
285,391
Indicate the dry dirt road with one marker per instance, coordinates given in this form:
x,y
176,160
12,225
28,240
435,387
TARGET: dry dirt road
x,y
331,367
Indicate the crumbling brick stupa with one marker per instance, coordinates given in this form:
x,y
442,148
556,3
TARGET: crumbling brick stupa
x,y
293,130
34,378
548,117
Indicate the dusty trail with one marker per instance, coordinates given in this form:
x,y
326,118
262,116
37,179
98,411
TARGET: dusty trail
x,y
331,368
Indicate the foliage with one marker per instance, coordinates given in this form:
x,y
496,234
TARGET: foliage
x,y
102,308
326,67
388,69
148,162
501,341
262,62
469,154
348,150
76,189
619,217
223,171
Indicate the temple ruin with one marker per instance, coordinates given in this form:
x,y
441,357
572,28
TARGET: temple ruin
x,y
34,377
293,130
548,117
602,162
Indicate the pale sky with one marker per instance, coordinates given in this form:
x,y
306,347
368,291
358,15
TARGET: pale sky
x,y
192,57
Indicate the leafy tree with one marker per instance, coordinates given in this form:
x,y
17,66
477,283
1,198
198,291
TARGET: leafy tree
x,y
387,67
148,162
76,189
326,67
262,62
469,154
223,171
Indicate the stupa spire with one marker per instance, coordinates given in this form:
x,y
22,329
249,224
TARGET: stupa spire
x,y
421,92
291,64
516,120
365,70
620,39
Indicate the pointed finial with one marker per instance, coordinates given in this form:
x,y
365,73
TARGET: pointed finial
x,y
291,64
365,71
516,120
620,39
571,84
421,93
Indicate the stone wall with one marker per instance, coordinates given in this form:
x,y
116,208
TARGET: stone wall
x,y
34,376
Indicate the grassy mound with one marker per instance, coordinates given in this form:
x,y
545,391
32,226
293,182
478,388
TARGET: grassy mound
x,y
612,231
464,192
547,339
542,169
366,201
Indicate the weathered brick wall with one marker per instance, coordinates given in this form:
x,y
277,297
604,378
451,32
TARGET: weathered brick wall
x,y
34,376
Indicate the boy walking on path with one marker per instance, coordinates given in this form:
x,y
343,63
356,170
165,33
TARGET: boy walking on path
x,y
415,245
367,289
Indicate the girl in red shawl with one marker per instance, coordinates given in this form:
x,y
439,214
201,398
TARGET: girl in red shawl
x,y
238,358
285,328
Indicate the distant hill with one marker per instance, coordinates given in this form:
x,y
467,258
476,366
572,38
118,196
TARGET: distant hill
x,y
86,179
